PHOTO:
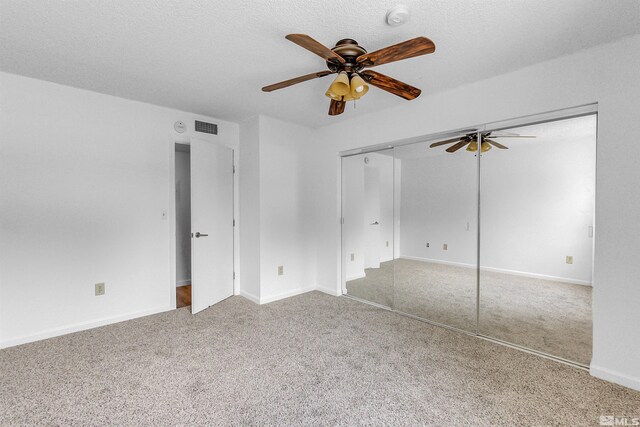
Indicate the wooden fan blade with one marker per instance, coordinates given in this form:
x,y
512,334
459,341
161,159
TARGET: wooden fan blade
x,y
296,80
392,85
457,146
496,144
409,49
315,46
448,141
336,107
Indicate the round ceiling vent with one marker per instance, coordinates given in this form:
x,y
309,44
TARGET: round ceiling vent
x,y
398,16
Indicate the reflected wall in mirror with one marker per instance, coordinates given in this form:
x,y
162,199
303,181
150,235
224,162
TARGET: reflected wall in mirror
x,y
368,229
537,218
436,271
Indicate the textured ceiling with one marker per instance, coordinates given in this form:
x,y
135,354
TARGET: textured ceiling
x,y
212,57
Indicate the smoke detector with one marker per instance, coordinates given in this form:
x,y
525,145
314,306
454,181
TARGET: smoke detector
x,y
398,16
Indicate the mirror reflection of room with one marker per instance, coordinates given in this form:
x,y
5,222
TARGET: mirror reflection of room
x,y
537,234
435,276
368,227
412,229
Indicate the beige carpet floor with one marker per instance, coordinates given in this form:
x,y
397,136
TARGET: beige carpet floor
x,y
312,359
543,315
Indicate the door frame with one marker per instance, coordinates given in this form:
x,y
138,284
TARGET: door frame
x,y
171,217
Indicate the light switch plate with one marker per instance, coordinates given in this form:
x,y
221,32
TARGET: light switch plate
x,y
280,270
445,247
569,259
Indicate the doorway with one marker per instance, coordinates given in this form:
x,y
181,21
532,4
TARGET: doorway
x,y
183,224
204,224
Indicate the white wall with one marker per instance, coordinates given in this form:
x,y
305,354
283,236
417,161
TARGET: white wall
x,y
85,179
607,74
537,202
183,218
249,215
285,226
353,217
276,209
439,198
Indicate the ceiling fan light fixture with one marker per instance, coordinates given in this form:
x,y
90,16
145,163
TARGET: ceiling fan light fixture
x,y
473,146
333,96
340,85
485,146
358,86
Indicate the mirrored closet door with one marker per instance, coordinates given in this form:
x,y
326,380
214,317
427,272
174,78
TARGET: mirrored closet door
x,y
489,232
537,219
435,272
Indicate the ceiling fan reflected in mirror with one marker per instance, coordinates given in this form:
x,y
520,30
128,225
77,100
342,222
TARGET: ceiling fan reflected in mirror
x,y
349,61
470,140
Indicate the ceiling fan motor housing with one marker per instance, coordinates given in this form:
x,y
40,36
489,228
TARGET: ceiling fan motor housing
x,y
350,51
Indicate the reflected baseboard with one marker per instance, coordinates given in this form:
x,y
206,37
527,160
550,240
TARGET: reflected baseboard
x,y
501,270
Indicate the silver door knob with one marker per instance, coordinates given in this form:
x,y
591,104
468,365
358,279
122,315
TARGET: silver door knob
x,y
199,234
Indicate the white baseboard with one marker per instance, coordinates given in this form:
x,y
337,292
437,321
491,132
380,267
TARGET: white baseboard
x,y
183,283
54,332
333,292
437,261
250,297
287,294
50,333
359,276
502,270
615,377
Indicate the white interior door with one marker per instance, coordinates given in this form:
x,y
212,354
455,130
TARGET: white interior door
x,y
211,224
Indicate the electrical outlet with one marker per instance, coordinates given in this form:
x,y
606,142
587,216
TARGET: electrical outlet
x,y
280,270
353,257
99,289
427,244
445,247
569,259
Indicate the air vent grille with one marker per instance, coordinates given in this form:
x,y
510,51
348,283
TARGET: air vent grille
x,y
206,127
